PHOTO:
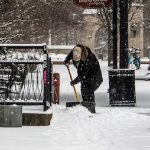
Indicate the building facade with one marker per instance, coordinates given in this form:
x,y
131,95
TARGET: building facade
x,y
91,26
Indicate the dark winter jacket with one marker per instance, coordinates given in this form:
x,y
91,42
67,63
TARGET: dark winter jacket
x,y
89,72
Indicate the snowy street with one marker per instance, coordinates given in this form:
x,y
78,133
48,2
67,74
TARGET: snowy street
x,y
111,128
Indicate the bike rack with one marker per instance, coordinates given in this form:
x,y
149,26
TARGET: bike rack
x,y
21,75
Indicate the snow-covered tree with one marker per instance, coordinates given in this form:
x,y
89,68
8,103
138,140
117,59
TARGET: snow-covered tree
x,y
31,20
105,17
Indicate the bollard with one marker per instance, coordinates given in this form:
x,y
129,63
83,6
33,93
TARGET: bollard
x,y
56,84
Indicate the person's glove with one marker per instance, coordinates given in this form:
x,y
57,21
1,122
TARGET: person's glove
x,y
66,63
72,82
75,81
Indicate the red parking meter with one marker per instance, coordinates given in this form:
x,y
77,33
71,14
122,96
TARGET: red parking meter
x,y
56,84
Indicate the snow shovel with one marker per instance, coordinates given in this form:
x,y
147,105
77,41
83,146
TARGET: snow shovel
x,y
71,104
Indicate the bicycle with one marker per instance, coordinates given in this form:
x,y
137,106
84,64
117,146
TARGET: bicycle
x,y
134,58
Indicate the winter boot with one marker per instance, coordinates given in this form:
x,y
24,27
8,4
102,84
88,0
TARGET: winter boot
x,y
89,105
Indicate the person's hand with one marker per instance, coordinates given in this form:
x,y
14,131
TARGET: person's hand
x,y
72,83
66,64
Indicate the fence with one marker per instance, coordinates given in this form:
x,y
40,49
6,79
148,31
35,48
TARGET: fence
x,y
25,75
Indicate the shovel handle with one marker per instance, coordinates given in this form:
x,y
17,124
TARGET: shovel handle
x,y
76,95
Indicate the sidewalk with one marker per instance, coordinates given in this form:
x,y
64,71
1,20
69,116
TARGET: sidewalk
x,y
102,95
143,73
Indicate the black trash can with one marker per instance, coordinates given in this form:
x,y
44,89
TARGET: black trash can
x,y
122,87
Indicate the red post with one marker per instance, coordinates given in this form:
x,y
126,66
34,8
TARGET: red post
x,y
56,84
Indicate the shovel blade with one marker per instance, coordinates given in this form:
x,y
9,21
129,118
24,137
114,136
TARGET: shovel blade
x,y
71,104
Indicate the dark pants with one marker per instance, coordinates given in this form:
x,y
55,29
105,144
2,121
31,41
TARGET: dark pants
x,y
88,96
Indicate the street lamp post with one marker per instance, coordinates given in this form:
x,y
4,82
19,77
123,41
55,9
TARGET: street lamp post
x,y
123,34
115,39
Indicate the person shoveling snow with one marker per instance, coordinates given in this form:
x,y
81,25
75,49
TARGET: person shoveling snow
x,y
89,74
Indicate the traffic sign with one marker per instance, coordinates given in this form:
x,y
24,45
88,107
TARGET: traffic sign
x,y
92,3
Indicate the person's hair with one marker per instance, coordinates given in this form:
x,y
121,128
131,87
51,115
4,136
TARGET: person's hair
x,y
84,50
88,48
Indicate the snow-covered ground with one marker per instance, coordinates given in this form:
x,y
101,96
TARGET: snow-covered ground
x,y
111,128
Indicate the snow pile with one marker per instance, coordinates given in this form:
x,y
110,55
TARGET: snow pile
x,y
110,129
74,111
77,129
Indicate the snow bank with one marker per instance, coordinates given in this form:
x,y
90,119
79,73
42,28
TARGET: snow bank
x,y
57,57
